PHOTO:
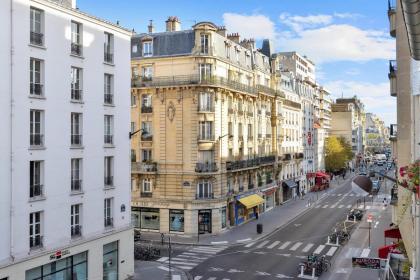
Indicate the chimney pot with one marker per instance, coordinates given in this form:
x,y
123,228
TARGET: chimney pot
x,y
150,27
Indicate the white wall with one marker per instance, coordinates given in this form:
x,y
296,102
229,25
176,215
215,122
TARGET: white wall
x,y
57,153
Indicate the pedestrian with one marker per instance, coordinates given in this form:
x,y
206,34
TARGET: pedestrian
x,y
344,175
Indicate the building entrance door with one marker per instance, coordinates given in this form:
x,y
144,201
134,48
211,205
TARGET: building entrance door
x,y
204,221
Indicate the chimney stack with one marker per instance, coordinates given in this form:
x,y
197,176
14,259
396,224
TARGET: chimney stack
x,y
221,30
248,44
234,37
150,27
173,24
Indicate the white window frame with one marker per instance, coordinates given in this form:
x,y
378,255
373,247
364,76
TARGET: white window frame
x,y
147,72
146,185
204,43
75,217
108,210
36,174
147,48
147,128
109,45
205,70
37,26
206,101
76,76
204,189
36,67
35,227
146,155
108,87
76,127
76,172
206,130
77,34
36,126
146,100
109,129
109,167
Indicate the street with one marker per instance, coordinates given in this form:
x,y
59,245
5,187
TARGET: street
x,y
278,255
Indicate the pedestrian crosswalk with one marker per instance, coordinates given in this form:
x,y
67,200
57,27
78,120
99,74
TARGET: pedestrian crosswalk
x,y
193,257
292,247
325,206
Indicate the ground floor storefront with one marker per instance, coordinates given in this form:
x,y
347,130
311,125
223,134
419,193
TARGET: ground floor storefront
x,y
109,258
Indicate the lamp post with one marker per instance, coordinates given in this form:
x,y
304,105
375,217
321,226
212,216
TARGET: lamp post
x,y
221,170
131,134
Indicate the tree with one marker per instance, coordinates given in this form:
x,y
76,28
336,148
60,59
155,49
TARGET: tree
x,y
348,152
335,154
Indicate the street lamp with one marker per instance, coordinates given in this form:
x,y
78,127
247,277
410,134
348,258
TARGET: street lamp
x,y
143,132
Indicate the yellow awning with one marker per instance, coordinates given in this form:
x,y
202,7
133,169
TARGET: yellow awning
x,y
251,201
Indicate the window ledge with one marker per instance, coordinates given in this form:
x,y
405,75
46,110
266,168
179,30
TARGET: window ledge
x,y
34,96
109,105
106,188
37,198
35,148
42,47
77,56
109,63
77,147
74,193
109,229
77,101
109,146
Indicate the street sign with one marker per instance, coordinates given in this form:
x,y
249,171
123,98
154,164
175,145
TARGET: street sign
x,y
370,263
369,218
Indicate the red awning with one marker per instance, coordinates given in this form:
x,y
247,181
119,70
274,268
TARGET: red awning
x,y
322,174
392,233
385,250
310,175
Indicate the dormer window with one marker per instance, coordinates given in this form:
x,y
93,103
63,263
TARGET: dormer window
x,y
204,41
148,48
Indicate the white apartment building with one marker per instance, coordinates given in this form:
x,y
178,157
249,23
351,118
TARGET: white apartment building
x,y
64,171
291,146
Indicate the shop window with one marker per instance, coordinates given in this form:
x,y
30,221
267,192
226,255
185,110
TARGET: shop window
x,y
223,217
176,220
149,219
110,261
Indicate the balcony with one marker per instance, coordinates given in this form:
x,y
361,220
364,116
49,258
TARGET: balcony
x,y
76,140
287,157
109,180
250,163
109,139
146,109
291,104
37,39
206,108
146,194
392,75
206,138
143,167
204,196
76,49
299,156
108,222
109,98
270,91
250,114
76,231
36,242
76,94
146,137
180,80
108,57
392,18
36,89
76,185
36,190
394,197
36,140
206,167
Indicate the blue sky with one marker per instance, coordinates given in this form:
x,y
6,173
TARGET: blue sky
x,y
347,39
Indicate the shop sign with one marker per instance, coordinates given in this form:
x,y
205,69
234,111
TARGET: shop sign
x,y
309,138
370,263
58,254
186,184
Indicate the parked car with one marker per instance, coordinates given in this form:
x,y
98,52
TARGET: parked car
x,y
376,185
355,214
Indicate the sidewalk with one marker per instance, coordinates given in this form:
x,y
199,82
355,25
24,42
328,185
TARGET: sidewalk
x,y
358,245
271,220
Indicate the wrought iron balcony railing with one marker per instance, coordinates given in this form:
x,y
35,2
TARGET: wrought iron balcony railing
x,y
109,180
204,196
36,140
76,140
205,167
109,98
108,57
76,230
36,190
76,94
146,109
36,242
37,38
36,89
76,49
108,222
139,167
76,185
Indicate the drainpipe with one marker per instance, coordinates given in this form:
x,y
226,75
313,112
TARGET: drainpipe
x,y
417,240
10,134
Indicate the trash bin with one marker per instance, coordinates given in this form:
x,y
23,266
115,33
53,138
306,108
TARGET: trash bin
x,y
259,228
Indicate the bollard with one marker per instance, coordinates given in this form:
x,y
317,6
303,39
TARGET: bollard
x,y
313,273
301,270
328,240
336,240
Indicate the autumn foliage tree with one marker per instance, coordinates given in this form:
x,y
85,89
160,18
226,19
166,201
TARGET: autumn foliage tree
x,y
336,155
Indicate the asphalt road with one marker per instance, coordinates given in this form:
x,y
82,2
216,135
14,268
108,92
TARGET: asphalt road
x,y
278,255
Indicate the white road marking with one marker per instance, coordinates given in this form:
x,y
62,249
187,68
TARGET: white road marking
x,y
339,194
185,260
317,206
250,244
283,255
262,273
189,253
212,278
162,259
348,206
307,247
365,253
233,270
181,263
341,206
282,247
325,206
185,267
319,249
216,269
367,207
163,268
274,244
192,257
176,277
333,206
263,244
198,277
243,240
219,242
331,251
294,247
283,276
352,194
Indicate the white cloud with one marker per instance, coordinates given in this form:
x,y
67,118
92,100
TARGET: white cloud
x,y
299,23
339,42
250,26
353,72
375,96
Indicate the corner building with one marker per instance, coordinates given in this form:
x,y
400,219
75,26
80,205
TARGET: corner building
x,y
64,168
205,113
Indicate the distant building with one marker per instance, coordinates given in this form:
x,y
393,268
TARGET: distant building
x,y
64,184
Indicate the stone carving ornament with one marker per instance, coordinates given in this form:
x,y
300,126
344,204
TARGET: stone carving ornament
x,y
171,111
